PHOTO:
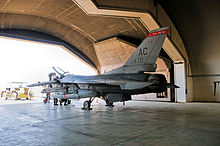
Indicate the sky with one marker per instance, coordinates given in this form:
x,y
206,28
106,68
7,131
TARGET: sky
x,y
26,61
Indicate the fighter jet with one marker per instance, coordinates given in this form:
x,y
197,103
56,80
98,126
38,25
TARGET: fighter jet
x,y
132,78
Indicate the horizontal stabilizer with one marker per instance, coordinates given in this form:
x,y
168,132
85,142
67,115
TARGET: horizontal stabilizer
x,y
133,86
170,85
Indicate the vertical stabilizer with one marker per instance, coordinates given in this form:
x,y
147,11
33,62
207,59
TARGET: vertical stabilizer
x,y
148,51
145,56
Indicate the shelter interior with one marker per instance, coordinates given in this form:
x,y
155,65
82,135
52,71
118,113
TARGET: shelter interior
x,y
89,29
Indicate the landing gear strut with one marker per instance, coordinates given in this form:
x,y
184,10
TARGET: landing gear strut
x,y
107,102
87,104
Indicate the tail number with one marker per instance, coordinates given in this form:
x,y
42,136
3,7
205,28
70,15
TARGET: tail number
x,y
137,61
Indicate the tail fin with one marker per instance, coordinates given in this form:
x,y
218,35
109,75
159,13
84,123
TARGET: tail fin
x,y
148,51
145,56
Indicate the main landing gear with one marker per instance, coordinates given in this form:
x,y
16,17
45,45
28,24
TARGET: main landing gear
x,y
87,104
107,102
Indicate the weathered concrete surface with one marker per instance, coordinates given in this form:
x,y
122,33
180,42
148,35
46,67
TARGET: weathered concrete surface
x,y
113,53
136,123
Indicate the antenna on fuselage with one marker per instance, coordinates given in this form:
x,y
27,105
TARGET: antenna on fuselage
x,y
61,72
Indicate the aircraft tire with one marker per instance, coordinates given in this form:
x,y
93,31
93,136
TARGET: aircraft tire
x,y
86,104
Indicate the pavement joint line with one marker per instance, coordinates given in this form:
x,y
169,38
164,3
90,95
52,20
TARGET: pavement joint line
x,y
138,135
86,134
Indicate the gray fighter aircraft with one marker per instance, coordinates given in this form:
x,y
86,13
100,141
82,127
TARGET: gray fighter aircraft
x,y
118,84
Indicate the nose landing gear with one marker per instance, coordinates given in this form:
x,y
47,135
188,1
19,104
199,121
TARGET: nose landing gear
x,y
87,104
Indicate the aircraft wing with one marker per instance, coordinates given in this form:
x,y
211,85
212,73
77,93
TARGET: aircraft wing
x,y
78,81
42,83
124,84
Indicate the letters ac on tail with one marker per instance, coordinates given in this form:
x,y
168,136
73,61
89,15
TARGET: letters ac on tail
x,y
118,84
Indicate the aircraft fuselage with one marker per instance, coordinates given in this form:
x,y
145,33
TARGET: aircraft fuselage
x,y
102,85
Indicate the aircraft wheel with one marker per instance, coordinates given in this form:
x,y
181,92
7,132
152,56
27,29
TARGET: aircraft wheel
x,y
65,102
86,104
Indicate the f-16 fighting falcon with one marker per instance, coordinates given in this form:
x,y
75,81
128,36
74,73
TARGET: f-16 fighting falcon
x,y
118,84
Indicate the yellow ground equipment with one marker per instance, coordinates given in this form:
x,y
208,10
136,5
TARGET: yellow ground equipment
x,y
25,93
17,90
